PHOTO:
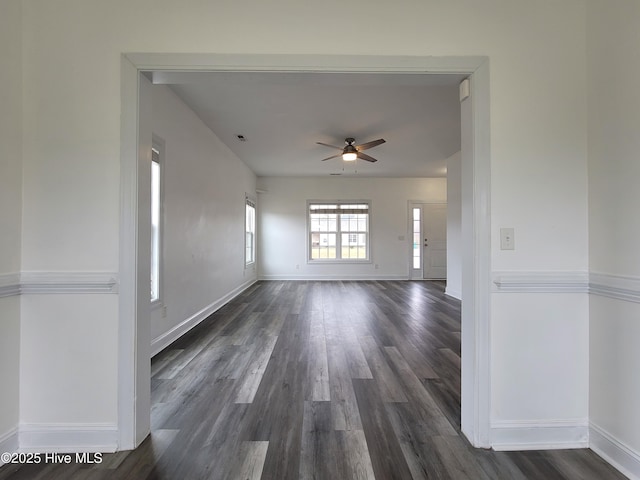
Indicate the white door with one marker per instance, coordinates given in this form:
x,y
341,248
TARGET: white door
x,y
429,241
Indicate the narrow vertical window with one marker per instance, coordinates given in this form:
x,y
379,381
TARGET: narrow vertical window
x,y
250,231
156,218
417,235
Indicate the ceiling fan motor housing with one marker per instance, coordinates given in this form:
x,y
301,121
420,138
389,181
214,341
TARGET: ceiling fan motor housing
x,y
349,149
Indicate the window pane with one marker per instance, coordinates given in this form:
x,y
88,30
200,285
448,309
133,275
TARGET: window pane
x,y
417,248
323,246
323,222
249,247
353,246
155,231
250,229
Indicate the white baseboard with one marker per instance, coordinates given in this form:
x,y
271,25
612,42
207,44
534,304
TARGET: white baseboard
x,y
535,435
453,293
163,341
615,452
329,278
9,442
68,438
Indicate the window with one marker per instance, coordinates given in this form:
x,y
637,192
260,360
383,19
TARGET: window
x,y
156,220
339,231
417,248
250,232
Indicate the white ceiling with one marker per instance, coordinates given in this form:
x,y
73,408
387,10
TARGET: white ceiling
x,y
283,115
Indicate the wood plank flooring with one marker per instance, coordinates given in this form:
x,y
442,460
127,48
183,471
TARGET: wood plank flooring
x,y
318,380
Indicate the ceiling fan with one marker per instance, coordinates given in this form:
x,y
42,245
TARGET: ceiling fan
x,y
350,151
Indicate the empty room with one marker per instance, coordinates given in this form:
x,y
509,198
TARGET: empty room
x,y
199,280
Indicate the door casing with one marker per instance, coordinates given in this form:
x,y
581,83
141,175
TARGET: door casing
x,y
134,319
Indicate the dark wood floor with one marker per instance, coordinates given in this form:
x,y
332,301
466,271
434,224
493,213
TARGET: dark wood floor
x,y
318,380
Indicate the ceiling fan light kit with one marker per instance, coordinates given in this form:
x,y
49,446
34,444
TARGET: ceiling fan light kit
x,y
349,153
352,152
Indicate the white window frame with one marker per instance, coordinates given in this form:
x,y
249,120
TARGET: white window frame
x,y
250,201
158,156
338,233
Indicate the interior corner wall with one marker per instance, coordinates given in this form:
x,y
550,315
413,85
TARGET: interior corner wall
x,y
613,36
454,226
282,224
204,219
10,216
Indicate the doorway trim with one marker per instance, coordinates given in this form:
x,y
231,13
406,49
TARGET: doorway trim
x,y
134,318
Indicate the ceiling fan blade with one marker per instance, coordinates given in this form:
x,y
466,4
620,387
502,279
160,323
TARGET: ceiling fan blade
x,y
332,156
327,145
364,156
371,144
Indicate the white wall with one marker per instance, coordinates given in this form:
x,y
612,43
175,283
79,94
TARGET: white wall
x,y
204,202
68,373
10,211
71,151
454,225
546,407
283,222
614,228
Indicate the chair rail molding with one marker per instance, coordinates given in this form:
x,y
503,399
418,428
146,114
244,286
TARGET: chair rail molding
x,y
619,287
25,283
541,282
9,284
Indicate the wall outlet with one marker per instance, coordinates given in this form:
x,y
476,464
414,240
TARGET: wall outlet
x,y
377,266
507,240
297,267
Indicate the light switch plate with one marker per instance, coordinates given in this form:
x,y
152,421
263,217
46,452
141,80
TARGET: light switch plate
x,y
507,240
